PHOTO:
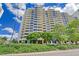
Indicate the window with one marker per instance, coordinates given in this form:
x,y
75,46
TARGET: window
x,y
35,30
35,26
54,13
46,15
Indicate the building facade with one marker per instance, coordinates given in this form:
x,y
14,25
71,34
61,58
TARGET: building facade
x,y
40,20
76,14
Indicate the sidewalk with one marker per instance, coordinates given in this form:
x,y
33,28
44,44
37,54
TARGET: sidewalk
x,y
72,52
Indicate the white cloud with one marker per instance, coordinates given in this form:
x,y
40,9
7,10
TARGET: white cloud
x,y
8,36
55,8
10,30
22,6
19,5
51,8
70,8
16,19
59,9
46,8
18,12
40,3
77,5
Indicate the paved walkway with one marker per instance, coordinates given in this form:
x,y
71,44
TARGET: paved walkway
x,y
72,52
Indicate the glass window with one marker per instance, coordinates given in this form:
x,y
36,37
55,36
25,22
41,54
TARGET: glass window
x,y
54,13
35,30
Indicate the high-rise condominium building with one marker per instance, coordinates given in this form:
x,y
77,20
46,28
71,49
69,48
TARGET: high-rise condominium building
x,y
40,20
76,14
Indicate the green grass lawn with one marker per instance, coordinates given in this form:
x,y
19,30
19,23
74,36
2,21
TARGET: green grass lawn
x,y
24,48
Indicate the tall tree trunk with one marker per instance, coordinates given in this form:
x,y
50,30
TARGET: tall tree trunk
x,y
76,43
72,42
36,41
28,41
45,41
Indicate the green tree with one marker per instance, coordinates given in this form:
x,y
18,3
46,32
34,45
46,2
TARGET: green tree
x,y
73,26
74,37
14,41
73,30
64,38
58,31
47,36
59,28
33,36
2,40
74,23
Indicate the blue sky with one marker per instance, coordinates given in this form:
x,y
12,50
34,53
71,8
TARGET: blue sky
x,y
7,19
62,5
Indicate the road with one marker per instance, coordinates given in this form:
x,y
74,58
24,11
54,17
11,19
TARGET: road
x,y
72,52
